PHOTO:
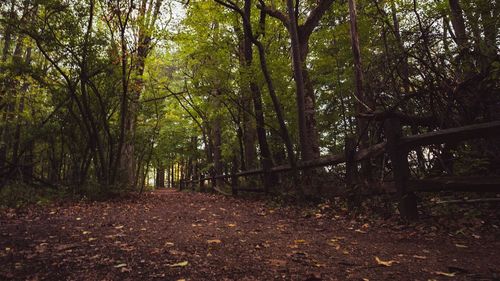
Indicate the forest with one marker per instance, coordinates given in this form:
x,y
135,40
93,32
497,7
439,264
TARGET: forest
x,y
369,111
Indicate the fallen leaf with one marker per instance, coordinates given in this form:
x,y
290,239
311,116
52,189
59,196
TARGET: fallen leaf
x,y
276,262
65,247
78,219
86,232
120,265
447,274
333,244
420,257
92,239
168,244
384,263
460,246
179,264
300,241
119,227
214,241
231,225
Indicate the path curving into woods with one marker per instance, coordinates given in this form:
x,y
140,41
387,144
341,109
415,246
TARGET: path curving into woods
x,y
171,235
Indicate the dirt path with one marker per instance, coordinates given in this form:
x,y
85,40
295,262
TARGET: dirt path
x,y
169,235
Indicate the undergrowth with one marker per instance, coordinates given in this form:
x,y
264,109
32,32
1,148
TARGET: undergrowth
x,y
19,195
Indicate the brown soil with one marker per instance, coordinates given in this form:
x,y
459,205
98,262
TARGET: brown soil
x,y
171,235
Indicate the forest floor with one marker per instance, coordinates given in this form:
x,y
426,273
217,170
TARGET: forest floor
x,y
172,235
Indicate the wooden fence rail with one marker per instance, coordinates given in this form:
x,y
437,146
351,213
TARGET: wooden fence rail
x,y
397,147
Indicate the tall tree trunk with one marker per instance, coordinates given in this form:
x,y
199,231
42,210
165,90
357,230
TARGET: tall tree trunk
x,y
4,99
17,133
265,152
217,142
148,14
249,133
305,146
160,177
362,128
172,175
464,64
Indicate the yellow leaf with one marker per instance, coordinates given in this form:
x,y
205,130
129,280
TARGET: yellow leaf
x,y
86,232
337,246
179,264
231,225
299,241
214,241
92,239
384,263
447,274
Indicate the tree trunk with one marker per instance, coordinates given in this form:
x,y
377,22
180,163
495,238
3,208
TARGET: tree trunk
x,y
4,100
362,128
249,133
265,152
305,146
217,153
147,16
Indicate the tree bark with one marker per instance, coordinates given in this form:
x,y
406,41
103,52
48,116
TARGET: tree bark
x,y
4,100
249,130
362,123
148,14
305,146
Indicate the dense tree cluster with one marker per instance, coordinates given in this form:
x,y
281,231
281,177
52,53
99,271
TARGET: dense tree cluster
x,y
109,92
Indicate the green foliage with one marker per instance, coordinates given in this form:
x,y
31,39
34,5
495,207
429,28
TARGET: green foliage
x,y
73,92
